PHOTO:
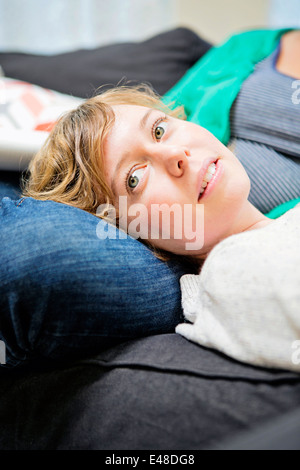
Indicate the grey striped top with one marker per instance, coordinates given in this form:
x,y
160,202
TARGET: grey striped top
x,y
265,134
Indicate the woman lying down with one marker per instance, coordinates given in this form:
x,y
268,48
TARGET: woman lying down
x,y
179,189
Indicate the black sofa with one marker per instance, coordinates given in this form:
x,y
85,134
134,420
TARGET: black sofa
x,y
152,393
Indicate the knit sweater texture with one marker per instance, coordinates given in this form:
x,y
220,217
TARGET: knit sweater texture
x,y
245,302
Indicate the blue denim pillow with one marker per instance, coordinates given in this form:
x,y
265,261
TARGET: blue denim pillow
x,y
65,293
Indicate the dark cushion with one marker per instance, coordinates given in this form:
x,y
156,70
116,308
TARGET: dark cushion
x,y
10,184
160,392
160,61
280,433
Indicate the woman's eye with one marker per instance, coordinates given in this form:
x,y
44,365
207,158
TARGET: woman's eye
x,y
159,130
134,178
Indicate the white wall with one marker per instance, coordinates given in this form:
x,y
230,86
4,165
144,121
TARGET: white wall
x,y
51,26
217,19
284,13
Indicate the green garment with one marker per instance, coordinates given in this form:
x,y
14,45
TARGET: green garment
x,y
209,88
282,209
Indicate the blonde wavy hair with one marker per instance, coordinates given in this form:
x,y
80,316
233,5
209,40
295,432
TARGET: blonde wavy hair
x,y
69,167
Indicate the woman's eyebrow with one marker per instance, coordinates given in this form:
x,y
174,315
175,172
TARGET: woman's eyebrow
x,y
145,118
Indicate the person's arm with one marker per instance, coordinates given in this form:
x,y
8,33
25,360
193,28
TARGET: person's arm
x,y
288,61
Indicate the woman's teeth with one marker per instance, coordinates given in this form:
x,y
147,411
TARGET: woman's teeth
x,y
208,176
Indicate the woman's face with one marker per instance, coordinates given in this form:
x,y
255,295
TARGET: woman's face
x,y
160,165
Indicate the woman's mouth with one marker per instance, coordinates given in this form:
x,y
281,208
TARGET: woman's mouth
x,y
210,178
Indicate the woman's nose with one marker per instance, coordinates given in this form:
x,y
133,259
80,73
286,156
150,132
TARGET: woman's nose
x,y
175,159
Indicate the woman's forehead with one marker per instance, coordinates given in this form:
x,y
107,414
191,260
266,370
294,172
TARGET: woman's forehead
x,y
124,111
128,120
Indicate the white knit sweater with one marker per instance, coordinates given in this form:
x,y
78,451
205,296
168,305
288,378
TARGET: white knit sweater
x,y
246,300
